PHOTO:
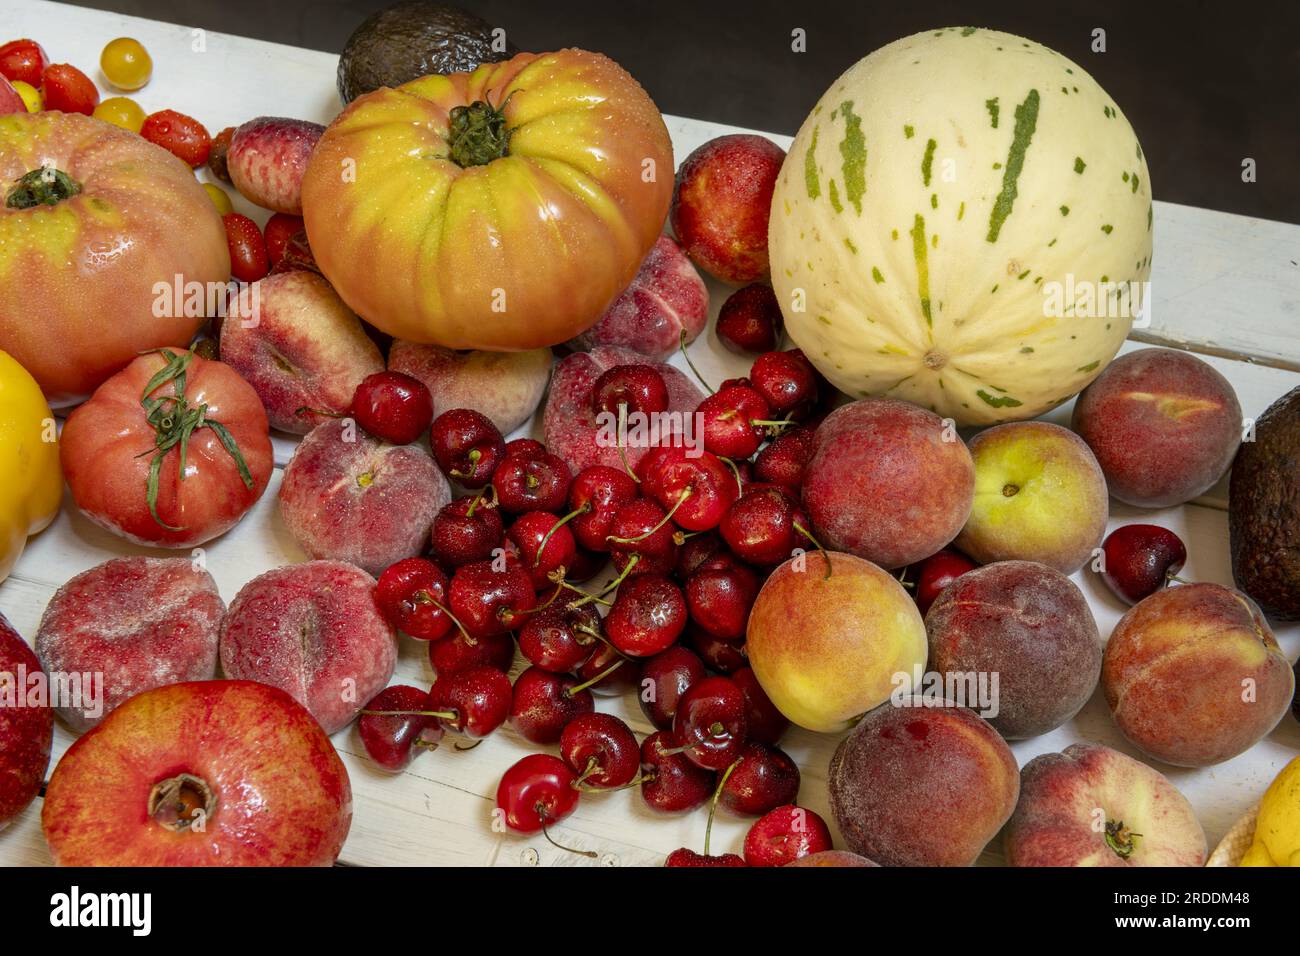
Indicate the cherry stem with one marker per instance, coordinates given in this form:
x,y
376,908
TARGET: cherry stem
x,y
686,355
713,806
592,766
462,747
618,441
541,813
586,594
1172,578
569,692
767,423
634,782
735,470
592,632
631,563
555,527
681,500
447,611
469,512
474,456
443,714
808,534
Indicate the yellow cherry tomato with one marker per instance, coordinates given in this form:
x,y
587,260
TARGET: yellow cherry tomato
x,y
219,198
30,94
31,482
121,111
126,63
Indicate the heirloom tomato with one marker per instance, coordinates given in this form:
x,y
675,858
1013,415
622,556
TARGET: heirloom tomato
x,y
502,209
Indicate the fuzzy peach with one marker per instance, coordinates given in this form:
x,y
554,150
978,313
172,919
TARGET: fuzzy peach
x,y
1163,424
292,338
827,648
316,631
1031,626
666,299
267,160
887,481
1093,806
1194,676
922,786
1039,496
347,496
140,622
507,387
26,732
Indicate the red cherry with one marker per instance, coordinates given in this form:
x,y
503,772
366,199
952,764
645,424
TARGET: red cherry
x,y
546,547
696,489
694,551
937,572
601,749
559,639
750,320
479,698
532,483
765,723
467,446
393,741
787,381
783,459
607,680
664,678
393,407
586,565
762,527
489,601
525,447
536,792
466,530
764,779
596,494
671,783
685,857
459,653
639,530
639,388
725,657
784,835
648,615
729,418
544,703
719,599
711,723
413,596
1140,559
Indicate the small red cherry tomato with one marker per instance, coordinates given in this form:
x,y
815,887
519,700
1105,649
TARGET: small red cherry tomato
x,y
248,261
68,90
23,61
181,135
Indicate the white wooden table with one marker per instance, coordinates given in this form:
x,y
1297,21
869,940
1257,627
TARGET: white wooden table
x,y
1224,285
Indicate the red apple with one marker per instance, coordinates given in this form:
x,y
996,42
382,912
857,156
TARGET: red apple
x,y
25,731
206,773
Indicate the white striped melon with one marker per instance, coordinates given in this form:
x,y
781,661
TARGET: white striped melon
x,y
963,221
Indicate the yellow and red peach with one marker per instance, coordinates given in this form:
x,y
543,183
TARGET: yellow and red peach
x,y
1031,627
1194,676
888,481
826,648
1093,806
922,786
1163,424
1039,496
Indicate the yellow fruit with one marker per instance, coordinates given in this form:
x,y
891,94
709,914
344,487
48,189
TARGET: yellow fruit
x,y
120,111
126,63
1277,829
30,94
31,482
219,198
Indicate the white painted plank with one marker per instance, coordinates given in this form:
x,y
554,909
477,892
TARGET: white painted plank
x,y
438,812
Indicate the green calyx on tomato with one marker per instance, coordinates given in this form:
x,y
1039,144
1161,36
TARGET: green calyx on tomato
x,y
478,133
46,186
174,420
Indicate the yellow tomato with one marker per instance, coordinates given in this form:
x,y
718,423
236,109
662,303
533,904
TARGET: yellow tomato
x,y
219,198
126,63
121,111
31,484
30,94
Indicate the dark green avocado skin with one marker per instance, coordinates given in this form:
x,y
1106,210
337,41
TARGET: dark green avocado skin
x,y
1264,511
413,39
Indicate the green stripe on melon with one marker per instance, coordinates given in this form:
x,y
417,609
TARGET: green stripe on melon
x,y
1026,168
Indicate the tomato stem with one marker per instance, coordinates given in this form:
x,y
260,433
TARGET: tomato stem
x,y
45,186
478,133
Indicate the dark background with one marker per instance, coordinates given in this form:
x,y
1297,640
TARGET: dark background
x,y
1205,84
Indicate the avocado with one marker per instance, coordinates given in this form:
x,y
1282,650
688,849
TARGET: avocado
x,y
416,38
1264,511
